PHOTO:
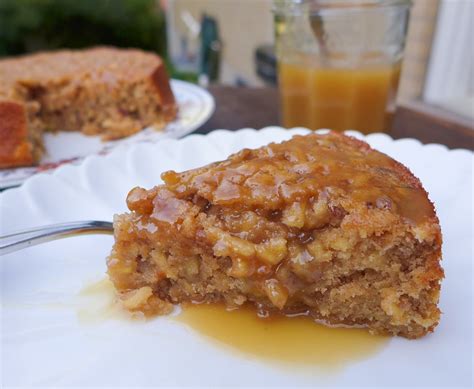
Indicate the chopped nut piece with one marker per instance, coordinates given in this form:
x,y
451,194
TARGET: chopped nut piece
x,y
272,251
319,252
320,215
241,268
294,215
234,247
136,298
277,293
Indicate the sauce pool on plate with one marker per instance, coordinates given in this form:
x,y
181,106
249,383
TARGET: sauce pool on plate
x,y
294,340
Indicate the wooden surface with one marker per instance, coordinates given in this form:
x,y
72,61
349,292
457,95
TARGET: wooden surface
x,y
243,107
259,107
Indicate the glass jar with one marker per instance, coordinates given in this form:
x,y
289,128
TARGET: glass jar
x,y
339,61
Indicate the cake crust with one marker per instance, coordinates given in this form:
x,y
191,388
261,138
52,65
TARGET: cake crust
x,y
321,224
100,91
15,147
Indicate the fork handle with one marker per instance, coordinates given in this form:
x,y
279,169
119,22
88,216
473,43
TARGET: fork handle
x,y
27,238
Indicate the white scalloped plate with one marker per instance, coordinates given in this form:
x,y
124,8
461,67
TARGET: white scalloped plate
x,y
44,343
196,106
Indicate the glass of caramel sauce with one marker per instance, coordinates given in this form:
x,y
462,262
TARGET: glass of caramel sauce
x,y
339,62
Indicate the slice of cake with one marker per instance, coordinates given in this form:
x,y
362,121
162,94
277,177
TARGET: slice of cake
x,y
101,91
320,224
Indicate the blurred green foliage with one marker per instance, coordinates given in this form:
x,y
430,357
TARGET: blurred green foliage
x,y
33,25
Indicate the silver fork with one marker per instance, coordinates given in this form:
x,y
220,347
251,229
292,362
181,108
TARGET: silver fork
x,y
27,238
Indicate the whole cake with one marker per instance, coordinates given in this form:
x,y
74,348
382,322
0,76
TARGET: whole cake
x,y
106,91
321,225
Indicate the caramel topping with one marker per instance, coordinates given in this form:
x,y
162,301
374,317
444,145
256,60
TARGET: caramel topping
x,y
277,175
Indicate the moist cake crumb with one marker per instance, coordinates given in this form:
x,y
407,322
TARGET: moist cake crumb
x,y
320,224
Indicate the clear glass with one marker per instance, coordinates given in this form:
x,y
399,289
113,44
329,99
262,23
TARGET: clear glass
x,y
339,62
